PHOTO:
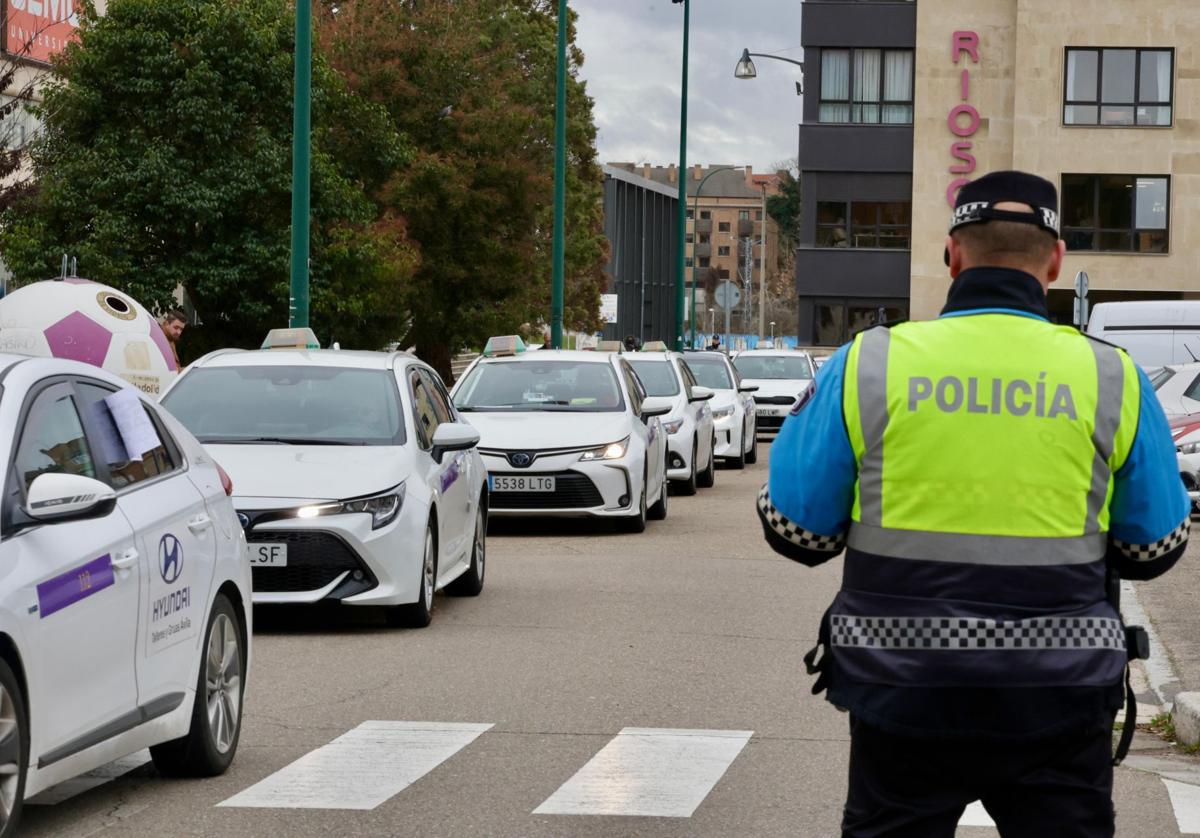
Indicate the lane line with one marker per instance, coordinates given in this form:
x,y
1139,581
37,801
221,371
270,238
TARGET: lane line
x,y
650,772
86,782
362,768
976,815
1185,800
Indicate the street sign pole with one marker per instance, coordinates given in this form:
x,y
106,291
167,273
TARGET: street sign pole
x,y
558,247
1080,316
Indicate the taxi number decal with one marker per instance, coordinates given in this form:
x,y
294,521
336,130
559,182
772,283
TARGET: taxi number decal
x,y
76,584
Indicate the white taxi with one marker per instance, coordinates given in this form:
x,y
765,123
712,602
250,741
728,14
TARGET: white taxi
x,y
124,591
781,376
733,407
356,482
691,441
566,433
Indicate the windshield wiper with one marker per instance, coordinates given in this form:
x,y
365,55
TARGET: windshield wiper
x,y
273,440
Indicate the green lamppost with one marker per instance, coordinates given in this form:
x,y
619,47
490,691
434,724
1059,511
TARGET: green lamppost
x,y
301,142
560,183
679,239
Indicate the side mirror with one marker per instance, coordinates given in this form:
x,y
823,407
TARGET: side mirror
x,y
68,497
700,394
748,388
453,436
655,406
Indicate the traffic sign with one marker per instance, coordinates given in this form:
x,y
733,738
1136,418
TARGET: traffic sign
x,y
727,295
1081,284
1080,317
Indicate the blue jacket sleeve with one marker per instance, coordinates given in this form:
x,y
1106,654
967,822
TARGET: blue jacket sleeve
x,y
1150,511
805,507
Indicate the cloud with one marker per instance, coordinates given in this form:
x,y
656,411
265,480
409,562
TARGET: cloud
x,y
632,54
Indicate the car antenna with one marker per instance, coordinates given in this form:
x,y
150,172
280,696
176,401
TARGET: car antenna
x,y
1190,352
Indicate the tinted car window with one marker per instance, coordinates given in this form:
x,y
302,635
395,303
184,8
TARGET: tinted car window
x,y
658,377
780,367
564,386
53,440
711,373
428,417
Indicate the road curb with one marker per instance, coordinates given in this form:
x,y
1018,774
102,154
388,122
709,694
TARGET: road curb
x,y
1186,718
1160,674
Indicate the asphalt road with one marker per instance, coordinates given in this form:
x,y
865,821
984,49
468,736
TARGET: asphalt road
x,y
580,634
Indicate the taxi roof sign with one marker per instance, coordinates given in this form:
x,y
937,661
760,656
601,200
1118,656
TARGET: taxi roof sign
x,y
503,345
655,346
302,338
610,346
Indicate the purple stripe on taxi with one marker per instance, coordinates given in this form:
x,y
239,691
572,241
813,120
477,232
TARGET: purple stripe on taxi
x,y
76,584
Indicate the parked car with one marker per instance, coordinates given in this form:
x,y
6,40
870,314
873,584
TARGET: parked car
x,y
733,408
1154,333
691,440
781,375
125,617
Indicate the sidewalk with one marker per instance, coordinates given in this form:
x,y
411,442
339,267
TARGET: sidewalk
x,y
1173,604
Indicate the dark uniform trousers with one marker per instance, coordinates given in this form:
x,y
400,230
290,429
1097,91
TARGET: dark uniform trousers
x,y
910,788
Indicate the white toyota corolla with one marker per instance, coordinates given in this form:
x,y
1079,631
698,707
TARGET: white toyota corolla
x,y
355,480
734,419
566,433
690,437
124,590
780,375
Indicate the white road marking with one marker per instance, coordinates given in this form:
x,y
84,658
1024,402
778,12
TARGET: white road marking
x,y
976,815
651,772
1185,800
86,782
362,768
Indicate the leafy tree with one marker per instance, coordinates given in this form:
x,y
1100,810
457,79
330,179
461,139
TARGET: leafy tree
x,y
471,83
166,162
785,209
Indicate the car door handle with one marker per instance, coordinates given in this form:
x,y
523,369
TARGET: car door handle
x,y
199,523
126,559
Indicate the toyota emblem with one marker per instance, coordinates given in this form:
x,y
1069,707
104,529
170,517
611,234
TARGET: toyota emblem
x,y
243,519
520,459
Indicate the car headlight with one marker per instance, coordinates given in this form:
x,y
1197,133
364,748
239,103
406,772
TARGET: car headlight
x,y
1188,448
612,451
673,426
382,508
722,413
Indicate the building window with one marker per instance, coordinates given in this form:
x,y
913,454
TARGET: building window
x,y
704,238
1118,87
1116,213
705,215
866,86
688,261
758,263
743,215
689,215
704,261
689,238
758,215
722,273
872,224
722,226
723,250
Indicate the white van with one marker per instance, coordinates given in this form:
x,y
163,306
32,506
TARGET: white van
x,y
1153,333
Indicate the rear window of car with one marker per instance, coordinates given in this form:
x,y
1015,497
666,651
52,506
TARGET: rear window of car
x,y
779,367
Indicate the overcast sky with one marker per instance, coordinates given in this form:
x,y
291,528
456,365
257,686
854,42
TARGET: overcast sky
x,y
633,50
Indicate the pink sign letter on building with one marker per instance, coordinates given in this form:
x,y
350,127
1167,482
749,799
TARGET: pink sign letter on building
x,y
965,41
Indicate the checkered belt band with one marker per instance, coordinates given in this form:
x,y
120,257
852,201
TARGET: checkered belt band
x,y
797,535
1150,552
959,633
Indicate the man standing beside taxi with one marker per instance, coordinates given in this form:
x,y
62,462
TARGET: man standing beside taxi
x,y
173,323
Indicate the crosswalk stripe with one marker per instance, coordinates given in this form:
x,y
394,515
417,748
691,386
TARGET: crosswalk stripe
x,y
976,815
362,768
652,772
86,782
1185,800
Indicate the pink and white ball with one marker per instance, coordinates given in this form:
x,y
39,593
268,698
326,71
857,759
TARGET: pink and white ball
x,y
85,321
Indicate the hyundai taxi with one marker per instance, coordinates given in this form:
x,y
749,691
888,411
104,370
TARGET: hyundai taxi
x,y
733,407
124,595
356,482
566,433
689,425
781,376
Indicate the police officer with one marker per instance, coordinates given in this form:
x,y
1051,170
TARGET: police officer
x,y
984,472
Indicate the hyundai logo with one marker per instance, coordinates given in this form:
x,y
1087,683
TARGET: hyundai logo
x,y
170,558
244,520
520,459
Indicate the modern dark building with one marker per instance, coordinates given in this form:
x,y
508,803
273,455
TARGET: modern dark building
x,y
856,162
641,218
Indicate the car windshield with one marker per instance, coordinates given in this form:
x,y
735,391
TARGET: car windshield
x,y
711,373
658,377
782,367
310,405
531,385
1158,379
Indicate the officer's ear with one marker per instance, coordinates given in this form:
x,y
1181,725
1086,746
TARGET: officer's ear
x,y
1056,261
954,257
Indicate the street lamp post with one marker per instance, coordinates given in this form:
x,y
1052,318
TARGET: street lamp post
x,y
301,147
560,183
695,235
772,333
712,320
679,239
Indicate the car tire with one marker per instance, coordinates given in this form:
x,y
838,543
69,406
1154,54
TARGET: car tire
x,y
419,614
752,454
212,740
637,523
739,462
688,486
708,477
471,582
658,512
14,751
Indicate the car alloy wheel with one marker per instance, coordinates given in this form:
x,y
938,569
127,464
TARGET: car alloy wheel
x,y
10,753
429,570
223,683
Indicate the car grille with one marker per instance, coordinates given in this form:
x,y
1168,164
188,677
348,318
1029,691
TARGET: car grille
x,y
571,491
770,423
314,560
774,399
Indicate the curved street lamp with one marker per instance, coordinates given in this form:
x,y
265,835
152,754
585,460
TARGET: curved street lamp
x,y
746,70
